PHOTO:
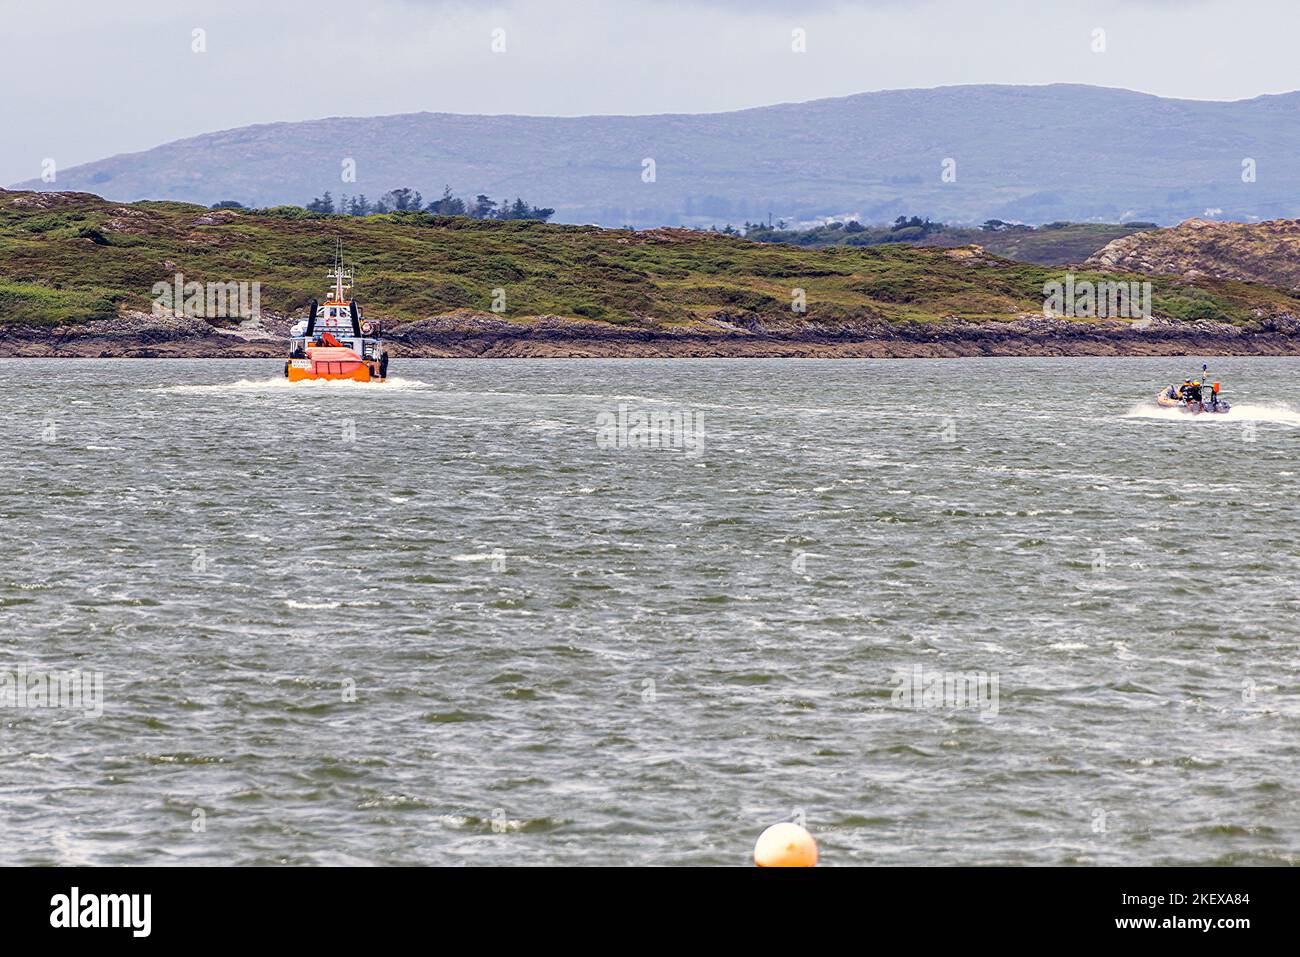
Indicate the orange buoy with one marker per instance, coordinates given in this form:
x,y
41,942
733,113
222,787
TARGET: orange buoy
x,y
785,845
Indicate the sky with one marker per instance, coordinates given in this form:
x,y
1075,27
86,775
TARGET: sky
x,y
85,79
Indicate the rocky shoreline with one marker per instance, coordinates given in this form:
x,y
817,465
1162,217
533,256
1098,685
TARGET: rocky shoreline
x,y
139,335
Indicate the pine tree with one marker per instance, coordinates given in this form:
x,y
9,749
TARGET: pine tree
x,y
402,199
449,205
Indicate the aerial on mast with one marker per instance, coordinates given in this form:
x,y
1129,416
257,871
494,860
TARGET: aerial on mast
x,y
342,277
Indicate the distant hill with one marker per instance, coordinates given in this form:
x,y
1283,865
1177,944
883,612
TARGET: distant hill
x,y
1253,252
1022,153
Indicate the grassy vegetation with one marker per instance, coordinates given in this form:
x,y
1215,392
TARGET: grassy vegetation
x,y
1053,244
36,304
68,258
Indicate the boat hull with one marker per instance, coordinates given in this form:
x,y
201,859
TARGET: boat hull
x,y
300,371
360,374
1213,407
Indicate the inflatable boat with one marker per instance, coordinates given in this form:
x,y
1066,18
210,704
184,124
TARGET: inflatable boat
x,y
1194,398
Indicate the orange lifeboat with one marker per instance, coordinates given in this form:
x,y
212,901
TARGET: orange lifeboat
x,y
335,342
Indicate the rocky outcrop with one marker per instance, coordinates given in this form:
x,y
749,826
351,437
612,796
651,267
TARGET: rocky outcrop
x,y
1204,249
474,335
143,335
54,199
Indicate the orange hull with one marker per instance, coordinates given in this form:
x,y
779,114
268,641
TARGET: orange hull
x,y
360,374
332,363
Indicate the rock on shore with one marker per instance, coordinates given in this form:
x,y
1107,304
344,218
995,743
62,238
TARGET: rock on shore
x,y
466,335
1266,252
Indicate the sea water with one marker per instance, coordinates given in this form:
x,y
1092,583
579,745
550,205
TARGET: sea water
x,y
976,611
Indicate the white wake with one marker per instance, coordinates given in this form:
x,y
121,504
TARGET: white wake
x,y
1280,414
307,386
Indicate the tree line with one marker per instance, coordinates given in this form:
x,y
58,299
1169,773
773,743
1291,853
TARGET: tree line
x,y
405,199
904,229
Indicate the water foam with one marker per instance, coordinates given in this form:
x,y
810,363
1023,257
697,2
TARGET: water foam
x,y
281,384
1279,414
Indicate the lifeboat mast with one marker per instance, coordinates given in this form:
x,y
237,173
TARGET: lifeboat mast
x,y
342,277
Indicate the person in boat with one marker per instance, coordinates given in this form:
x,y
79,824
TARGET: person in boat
x,y
1193,394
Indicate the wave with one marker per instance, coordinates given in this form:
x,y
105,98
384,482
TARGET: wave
x,y
281,384
1279,414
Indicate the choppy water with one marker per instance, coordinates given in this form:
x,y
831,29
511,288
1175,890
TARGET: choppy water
x,y
568,653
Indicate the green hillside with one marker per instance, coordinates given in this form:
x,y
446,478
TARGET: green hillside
x,y
67,258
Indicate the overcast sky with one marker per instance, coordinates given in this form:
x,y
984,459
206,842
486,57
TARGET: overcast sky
x,y
84,79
